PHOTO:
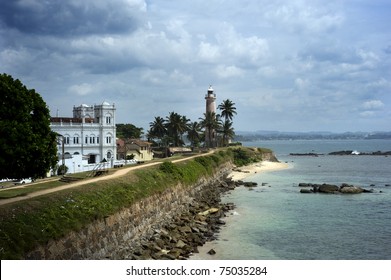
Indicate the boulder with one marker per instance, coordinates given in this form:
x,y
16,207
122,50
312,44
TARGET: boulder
x,y
306,191
250,184
351,189
209,211
212,252
180,244
326,188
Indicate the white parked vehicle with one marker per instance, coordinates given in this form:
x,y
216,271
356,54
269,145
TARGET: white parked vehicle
x,y
24,181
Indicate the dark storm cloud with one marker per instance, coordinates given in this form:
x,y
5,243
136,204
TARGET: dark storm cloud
x,y
67,18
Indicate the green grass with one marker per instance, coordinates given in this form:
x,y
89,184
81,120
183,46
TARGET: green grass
x,y
35,221
14,192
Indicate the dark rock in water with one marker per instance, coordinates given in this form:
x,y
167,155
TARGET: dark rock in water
x,y
329,188
341,153
306,154
351,189
306,191
250,184
212,252
369,191
387,185
326,188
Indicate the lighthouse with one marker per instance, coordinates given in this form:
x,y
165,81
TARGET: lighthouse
x,y
210,133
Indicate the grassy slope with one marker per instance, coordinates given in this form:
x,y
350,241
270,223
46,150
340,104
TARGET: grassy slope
x,y
24,225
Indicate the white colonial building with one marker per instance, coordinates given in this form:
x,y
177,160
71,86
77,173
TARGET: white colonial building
x,y
89,134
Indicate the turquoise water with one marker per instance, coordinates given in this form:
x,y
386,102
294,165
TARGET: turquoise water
x,y
278,222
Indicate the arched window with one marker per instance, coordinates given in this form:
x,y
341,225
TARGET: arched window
x,y
109,138
108,118
66,139
76,139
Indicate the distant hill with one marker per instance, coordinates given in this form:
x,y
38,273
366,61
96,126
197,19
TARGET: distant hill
x,y
312,135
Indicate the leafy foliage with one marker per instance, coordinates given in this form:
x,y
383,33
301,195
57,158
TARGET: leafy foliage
x,y
128,131
27,144
62,169
245,156
171,130
169,168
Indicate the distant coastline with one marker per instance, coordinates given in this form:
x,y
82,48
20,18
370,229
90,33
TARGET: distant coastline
x,y
320,135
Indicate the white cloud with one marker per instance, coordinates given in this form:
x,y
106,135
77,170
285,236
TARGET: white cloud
x,y
373,104
224,71
301,16
301,83
208,52
243,49
366,114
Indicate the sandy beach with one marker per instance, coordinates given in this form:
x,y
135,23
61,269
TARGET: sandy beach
x,y
259,167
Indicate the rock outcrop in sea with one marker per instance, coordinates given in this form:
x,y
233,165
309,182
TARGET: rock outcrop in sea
x,y
332,189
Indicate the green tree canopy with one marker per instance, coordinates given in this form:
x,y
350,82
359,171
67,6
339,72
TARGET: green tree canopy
x,y
27,144
228,109
128,131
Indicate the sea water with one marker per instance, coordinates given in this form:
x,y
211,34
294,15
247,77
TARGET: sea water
x,y
276,221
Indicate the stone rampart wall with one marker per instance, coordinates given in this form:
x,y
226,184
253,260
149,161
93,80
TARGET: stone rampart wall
x,y
111,237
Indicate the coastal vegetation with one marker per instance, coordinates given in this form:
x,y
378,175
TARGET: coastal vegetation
x,y
27,144
34,222
175,129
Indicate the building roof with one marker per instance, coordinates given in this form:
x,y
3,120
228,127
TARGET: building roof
x,y
70,120
130,142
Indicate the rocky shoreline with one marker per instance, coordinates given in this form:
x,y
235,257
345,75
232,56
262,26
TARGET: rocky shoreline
x,y
180,237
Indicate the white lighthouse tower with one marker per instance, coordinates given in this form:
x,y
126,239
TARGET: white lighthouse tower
x,y
210,133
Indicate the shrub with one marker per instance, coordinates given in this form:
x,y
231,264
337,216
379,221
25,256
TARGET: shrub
x,y
62,169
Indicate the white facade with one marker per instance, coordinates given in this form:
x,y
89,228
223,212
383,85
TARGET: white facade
x,y
91,133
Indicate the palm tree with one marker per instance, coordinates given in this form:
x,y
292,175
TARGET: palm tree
x,y
227,109
211,122
158,128
227,131
194,133
176,126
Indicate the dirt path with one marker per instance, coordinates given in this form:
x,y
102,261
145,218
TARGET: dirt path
x,y
119,173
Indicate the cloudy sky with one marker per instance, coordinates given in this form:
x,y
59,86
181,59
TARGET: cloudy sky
x,y
287,65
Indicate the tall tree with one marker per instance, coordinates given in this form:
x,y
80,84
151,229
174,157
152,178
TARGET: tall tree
x,y
228,109
176,126
158,128
227,132
194,134
27,144
211,122
128,131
